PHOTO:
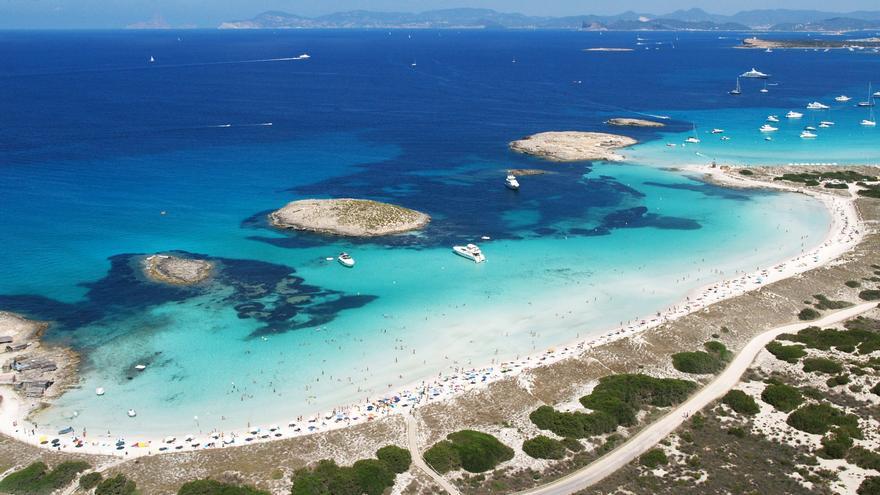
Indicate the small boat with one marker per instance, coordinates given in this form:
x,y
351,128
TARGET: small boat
x,y
725,138
412,64
345,260
132,413
768,128
717,131
754,74
693,139
808,135
772,118
764,89
736,91
869,123
826,123
65,431
794,115
865,104
471,252
152,60
817,106
304,56
769,50
876,94
842,99
809,128
511,183
768,138
140,367
99,391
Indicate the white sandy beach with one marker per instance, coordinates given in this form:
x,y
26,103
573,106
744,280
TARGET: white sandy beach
x,y
845,232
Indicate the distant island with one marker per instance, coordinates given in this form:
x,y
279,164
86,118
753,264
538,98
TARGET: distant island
x,y
573,146
348,217
809,43
472,18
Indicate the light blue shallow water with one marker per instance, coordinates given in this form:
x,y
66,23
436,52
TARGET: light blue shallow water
x,y
282,332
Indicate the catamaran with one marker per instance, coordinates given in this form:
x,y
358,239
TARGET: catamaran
x,y
754,74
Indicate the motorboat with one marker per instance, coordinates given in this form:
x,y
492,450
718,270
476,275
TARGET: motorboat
x,y
869,123
768,138
132,413
768,128
736,91
809,128
345,260
140,367
725,138
511,183
794,115
471,252
817,106
772,118
717,131
304,56
754,74
826,123
808,135
99,391
842,99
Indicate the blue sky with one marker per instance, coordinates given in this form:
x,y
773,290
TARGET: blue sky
x,y
208,13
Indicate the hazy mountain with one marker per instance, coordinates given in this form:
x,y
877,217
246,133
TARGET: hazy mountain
x,y
691,19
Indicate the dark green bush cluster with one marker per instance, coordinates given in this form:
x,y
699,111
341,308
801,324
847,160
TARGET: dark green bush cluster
x,y
822,365
841,175
858,335
117,485
746,171
787,353
36,479
824,303
869,295
653,458
212,487
573,424
473,451
697,362
820,418
621,396
839,185
835,445
572,444
543,447
808,314
852,284
396,458
836,381
783,397
90,480
741,402
876,389
871,484
864,458
872,191
366,476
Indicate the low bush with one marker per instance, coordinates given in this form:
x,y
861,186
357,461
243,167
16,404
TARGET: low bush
x,y
822,365
864,458
860,334
573,424
820,418
871,484
852,284
698,363
212,487
572,444
876,389
37,479
782,397
475,451
366,476
808,314
746,171
835,445
397,459
824,303
90,480
653,458
838,380
543,447
443,457
870,295
718,349
117,485
621,396
787,353
741,402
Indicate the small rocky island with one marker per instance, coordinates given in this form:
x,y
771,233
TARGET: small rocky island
x,y
524,172
573,146
175,270
627,122
348,217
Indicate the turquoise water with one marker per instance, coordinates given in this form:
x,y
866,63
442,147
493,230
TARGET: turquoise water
x,y
100,144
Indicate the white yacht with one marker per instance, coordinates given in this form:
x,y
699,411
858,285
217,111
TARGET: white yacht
x,y
471,252
768,128
754,74
345,260
772,118
717,131
511,183
808,135
794,115
826,123
132,413
817,106
99,391
843,98
876,94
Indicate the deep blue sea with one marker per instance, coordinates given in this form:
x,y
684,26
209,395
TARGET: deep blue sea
x,y
96,142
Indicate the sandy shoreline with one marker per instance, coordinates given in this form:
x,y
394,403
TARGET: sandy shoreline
x,y
845,232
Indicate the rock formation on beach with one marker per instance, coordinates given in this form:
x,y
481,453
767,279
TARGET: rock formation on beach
x,y
175,270
627,122
348,217
573,146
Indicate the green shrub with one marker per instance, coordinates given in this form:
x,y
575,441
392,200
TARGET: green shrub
x,y
782,397
861,334
718,349
653,458
699,362
741,402
397,459
573,424
876,389
366,476
869,295
835,381
852,284
117,485
820,418
787,353
870,485
813,393
822,365
572,444
807,314
543,447
373,476
864,458
746,171
835,445
212,487
90,480
825,303
443,457
479,452
621,396
36,479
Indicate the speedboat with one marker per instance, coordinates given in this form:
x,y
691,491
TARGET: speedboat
x,y
865,104
794,115
717,131
754,74
99,391
304,56
692,139
772,118
809,128
869,123
511,183
768,138
876,94
140,367
817,106
826,123
843,98
132,413
807,135
471,252
345,260
768,128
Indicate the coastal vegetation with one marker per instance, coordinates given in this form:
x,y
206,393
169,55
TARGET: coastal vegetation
x,y
117,485
787,353
870,295
653,458
815,177
818,419
213,487
822,365
621,396
783,397
473,451
808,314
701,362
365,476
741,402
544,447
859,335
90,480
37,479
823,303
